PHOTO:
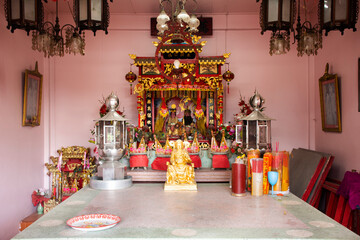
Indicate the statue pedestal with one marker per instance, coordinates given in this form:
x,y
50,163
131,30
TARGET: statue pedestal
x,y
180,187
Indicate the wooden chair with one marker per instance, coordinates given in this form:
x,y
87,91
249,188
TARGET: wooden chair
x,y
338,208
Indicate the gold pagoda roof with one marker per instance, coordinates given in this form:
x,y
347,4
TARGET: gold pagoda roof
x,y
214,60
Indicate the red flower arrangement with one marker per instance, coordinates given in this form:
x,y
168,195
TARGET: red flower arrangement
x,y
104,111
244,107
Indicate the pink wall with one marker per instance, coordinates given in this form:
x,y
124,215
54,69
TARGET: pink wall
x,y
80,82
342,53
73,86
21,148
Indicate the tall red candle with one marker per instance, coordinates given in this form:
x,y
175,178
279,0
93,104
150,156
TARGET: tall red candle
x,y
238,179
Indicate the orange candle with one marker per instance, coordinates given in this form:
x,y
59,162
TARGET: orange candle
x,y
267,167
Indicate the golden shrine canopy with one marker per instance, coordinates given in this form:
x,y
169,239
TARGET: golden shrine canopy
x,y
177,76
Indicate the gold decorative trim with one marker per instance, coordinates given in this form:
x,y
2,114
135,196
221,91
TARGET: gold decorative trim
x,y
148,82
227,55
211,62
213,82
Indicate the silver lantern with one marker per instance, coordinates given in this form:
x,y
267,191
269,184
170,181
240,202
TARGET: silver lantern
x,y
111,139
256,127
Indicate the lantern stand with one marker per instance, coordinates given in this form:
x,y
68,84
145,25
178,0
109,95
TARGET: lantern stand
x,y
111,141
256,127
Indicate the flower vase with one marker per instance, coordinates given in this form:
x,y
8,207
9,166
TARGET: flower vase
x,y
228,142
40,208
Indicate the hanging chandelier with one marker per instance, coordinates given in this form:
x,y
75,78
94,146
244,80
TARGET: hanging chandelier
x,y
278,17
178,15
279,43
51,38
177,29
308,37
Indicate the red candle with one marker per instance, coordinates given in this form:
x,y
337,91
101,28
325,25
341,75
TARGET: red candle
x,y
238,179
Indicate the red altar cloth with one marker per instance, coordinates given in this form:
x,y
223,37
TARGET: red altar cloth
x,y
160,162
220,161
196,160
139,161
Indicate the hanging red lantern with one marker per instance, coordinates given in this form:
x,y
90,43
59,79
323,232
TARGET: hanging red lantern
x,y
228,76
130,77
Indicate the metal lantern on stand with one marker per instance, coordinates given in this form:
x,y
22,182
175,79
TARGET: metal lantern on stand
x,y
256,127
111,139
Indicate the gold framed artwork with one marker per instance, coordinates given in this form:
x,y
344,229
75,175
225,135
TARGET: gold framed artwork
x,y
149,70
209,69
32,97
330,102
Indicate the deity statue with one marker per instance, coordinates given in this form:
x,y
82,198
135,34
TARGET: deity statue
x,y
188,122
173,126
180,175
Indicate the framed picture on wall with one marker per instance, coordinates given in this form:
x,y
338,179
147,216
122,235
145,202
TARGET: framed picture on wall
x,y
330,102
32,97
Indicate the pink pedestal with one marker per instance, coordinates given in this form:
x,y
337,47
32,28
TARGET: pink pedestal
x,y
139,161
220,161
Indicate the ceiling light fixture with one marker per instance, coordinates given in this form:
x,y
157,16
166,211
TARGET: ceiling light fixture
x,y
178,14
278,17
308,37
24,14
338,15
49,38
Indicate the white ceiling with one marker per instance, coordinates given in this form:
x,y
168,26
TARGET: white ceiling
x,y
203,6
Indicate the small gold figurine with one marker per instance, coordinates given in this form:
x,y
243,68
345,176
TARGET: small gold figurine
x,y
180,175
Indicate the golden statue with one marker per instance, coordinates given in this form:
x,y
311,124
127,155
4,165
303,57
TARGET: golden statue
x,y
172,125
180,175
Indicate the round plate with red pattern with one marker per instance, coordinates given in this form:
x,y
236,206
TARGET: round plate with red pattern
x,y
93,222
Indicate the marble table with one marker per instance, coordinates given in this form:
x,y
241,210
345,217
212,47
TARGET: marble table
x,y
147,211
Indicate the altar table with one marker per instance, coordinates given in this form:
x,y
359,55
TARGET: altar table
x,y
147,211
